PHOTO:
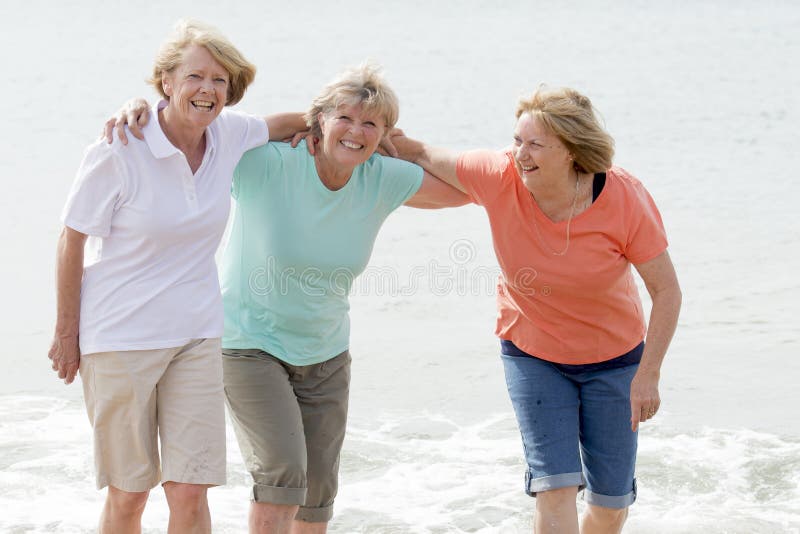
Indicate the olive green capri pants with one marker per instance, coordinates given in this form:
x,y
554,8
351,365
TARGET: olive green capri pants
x,y
290,423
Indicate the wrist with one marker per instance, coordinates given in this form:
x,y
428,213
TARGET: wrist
x,y
66,332
651,372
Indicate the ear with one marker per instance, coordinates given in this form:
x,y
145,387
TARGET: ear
x,y
166,84
321,121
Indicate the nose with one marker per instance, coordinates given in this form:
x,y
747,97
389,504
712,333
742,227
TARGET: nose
x,y
520,152
207,86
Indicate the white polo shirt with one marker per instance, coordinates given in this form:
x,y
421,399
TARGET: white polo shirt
x,y
150,280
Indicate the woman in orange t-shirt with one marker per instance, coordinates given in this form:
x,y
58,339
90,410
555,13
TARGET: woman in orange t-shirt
x,y
581,366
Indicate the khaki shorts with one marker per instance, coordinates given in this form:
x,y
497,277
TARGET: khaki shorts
x,y
290,422
134,398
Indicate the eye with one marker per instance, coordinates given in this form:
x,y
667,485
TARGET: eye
x,y
221,80
517,141
370,123
193,76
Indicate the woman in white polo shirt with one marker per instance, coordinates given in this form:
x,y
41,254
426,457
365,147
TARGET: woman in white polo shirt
x,y
142,316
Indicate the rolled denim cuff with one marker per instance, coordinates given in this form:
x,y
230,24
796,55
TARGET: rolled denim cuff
x,y
611,501
562,480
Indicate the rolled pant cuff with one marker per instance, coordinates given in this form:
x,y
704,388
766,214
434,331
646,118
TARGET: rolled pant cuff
x,y
278,495
552,482
610,501
323,514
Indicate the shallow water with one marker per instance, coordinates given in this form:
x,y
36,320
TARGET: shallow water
x,y
701,99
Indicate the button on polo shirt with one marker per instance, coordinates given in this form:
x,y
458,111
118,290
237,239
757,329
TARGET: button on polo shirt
x,y
150,280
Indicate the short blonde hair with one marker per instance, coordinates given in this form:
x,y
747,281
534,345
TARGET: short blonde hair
x,y
571,117
358,85
241,72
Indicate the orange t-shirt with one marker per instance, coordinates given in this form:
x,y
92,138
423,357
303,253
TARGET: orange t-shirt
x,y
582,307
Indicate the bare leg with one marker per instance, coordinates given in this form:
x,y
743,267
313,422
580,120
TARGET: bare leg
x,y
556,512
122,513
600,520
306,527
188,508
268,518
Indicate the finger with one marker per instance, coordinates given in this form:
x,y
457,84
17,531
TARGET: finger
x,y
389,147
636,412
108,131
311,144
296,138
132,119
139,124
121,131
133,126
71,372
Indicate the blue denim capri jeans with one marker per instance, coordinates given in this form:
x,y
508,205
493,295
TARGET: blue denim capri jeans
x,y
576,428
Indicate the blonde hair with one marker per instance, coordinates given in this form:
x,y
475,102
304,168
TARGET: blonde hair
x,y
571,117
191,32
357,85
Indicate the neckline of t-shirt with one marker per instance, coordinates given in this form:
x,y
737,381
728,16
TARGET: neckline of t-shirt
x,y
321,185
540,215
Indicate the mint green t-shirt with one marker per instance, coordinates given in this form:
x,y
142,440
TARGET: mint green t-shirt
x,y
295,247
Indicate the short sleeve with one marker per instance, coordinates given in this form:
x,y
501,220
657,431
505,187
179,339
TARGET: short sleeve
x,y
481,173
96,192
242,131
647,237
400,180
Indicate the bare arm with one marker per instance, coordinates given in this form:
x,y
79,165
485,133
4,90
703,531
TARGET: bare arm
x,y
136,114
65,351
284,126
661,281
434,194
440,162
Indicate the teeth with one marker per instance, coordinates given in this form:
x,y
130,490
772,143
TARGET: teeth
x,y
350,144
203,104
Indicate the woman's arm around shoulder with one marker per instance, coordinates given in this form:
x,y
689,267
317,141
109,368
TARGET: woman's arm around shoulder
x,y
439,162
435,194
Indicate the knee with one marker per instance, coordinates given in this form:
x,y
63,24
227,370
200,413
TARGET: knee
x,y
556,498
185,496
611,519
265,514
126,502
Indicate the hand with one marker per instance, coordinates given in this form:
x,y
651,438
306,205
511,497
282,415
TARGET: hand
x,y
311,141
386,147
135,113
645,400
65,354
403,147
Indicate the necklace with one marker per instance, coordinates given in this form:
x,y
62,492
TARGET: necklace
x,y
569,220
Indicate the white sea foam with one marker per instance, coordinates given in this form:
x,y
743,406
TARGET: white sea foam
x,y
419,474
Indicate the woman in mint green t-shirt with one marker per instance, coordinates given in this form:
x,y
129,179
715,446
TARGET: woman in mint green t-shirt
x,y
303,228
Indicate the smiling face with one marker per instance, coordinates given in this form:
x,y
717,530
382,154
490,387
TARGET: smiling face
x,y
539,153
350,135
197,88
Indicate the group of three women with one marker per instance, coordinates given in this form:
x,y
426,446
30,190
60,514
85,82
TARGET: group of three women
x,y
142,317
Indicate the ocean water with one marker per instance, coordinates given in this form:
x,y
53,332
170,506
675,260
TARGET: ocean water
x,y
701,98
